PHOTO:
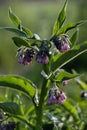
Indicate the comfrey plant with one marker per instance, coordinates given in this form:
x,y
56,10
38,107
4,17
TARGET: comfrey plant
x,y
51,107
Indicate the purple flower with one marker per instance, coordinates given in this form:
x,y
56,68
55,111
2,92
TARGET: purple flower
x,y
42,57
52,99
65,82
56,96
61,98
64,47
62,44
25,56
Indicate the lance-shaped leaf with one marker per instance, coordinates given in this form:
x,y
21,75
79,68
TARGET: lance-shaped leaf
x,y
71,109
82,84
24,119
11,107
20,42
60,20
70,26
14,18
16,31
62,59
19,83
27,31
63,75
17,22
74,37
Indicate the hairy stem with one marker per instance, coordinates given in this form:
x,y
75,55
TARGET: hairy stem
x,y
39,109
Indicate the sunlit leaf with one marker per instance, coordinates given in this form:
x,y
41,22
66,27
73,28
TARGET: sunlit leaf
x,y
18,83
70,26
82,84
62,15
10,107
63,75
72,110
14,18
27,31
20,42
61,18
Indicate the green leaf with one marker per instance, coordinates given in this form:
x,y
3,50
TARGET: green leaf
x,y
14,18
74,37
62,15
71,109
61,18
63,75
55,127
16,31
19,83
82,84
10,107
70,26
36,36
27,31
62,59
20,42
51,117
25,120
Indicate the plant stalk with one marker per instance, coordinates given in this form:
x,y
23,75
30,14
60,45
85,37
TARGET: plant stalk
x,y
39,109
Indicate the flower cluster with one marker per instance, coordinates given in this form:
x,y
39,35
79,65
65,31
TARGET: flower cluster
x,y
25,55
56,96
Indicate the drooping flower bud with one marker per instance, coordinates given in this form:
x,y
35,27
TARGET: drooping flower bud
x,y
56,96
42,57
25,56
61,43
61,98
44,52
65,82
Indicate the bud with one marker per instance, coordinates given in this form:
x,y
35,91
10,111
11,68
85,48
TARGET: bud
x,y
61,97
42,57
61,43
65,82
